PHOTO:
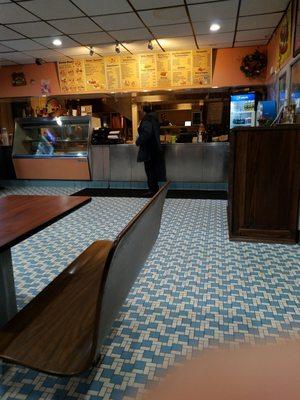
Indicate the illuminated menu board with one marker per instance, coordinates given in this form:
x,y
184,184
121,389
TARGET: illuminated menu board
x,y
163,68
148,71
130,79
177,69
94,74
113,73
182,68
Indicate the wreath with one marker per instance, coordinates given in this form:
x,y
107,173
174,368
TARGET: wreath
x,y
254,64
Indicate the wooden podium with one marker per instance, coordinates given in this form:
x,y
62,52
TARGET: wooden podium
x,y
264,184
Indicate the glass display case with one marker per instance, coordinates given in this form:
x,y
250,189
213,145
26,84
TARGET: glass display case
x,y
52,148
59,137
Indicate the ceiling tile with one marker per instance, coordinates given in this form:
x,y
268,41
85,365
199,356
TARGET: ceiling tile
x,y
262,6
100,7
16,56
250,43
215,38
52,9
47,41
132,34
34,29
145,4
214,11
142,47
75,51
6,62
181,43
110,49
172,30
22,44
222,45
255,34
76,25
12,13
259,21
92,38
6,34
3,48
42,53
164,16
202,27
118,21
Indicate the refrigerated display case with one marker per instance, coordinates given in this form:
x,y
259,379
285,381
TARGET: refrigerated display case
x,y
242,110
52,148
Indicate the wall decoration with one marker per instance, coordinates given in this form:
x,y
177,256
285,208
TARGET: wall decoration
x,y
297,29
45,87
18,79
284,37
254,64
177,69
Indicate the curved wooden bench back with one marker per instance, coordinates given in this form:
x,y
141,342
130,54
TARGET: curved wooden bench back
x,y
130,252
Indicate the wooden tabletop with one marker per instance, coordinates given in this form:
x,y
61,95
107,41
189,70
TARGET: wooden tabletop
x,y
23,216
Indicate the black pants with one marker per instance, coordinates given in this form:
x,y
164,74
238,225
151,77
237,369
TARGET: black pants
x,y
151,169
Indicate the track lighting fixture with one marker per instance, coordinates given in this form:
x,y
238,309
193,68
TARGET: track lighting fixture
x,y
150,45
91,51
117,49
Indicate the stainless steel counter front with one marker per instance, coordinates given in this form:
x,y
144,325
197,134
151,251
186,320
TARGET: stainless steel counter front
x,y
185,162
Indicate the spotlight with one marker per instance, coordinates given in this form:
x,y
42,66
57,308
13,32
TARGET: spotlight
x,y
57,42
150,45
39,61
117,49
91,51
214,27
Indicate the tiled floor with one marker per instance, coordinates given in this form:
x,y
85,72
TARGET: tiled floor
x,y
197,290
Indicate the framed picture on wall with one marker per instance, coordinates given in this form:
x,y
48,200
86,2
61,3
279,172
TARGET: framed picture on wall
x,y
297,29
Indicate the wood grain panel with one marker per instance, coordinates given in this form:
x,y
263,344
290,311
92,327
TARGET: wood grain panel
x,y
22,216
264,183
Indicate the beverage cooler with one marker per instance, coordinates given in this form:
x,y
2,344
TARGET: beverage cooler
x,y
52,148
242,110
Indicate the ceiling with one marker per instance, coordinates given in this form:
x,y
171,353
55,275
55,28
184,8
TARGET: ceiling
x,y
28,27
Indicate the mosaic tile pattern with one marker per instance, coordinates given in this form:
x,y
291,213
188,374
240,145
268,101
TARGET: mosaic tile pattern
x,y
197,290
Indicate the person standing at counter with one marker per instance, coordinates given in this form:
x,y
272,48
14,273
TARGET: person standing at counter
x,y
149,147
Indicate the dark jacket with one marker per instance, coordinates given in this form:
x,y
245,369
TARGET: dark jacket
x,y
149,138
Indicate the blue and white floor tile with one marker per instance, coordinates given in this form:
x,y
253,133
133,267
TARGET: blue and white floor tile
x,y
197,290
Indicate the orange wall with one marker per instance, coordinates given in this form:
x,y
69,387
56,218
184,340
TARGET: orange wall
x,y
226,73
33,74
227,67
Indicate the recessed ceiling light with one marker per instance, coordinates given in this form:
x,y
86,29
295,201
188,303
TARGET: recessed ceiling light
x,y
57,42
214,27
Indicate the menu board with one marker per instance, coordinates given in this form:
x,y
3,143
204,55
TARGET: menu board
x,y
177,69
130,73
201,67
182,68
94,74
72,77
113,73
148,71
163,68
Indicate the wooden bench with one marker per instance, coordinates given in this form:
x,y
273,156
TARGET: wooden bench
x,y
62,329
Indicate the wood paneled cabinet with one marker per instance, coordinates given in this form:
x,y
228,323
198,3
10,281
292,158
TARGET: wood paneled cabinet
x,y
264,184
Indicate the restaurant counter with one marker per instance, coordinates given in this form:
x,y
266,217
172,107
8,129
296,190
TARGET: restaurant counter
x,y
185,162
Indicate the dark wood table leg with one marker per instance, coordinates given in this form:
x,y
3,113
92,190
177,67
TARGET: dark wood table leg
x,y
8,302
